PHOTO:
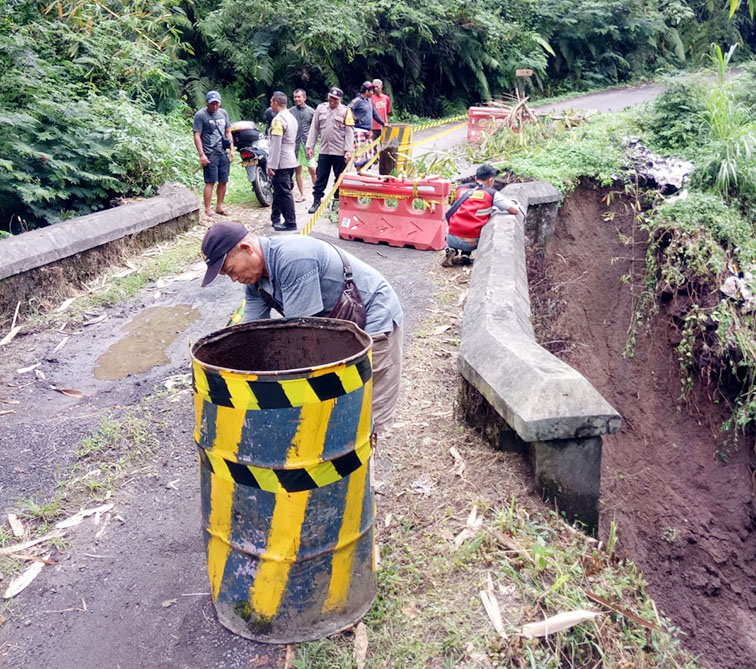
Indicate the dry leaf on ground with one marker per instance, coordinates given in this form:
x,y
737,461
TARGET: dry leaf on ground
x,y
81,515
123,273
30,368
473,522
491,605
624,612
14,331
31,558
65,304
459,463
360,645
70,392
61,344
24,579
96,319
16,525
15,548
557,623
291,655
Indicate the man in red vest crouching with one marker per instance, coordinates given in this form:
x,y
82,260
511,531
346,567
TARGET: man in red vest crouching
x,y
470,212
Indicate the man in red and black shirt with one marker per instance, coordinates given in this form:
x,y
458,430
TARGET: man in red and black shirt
x,y
471,210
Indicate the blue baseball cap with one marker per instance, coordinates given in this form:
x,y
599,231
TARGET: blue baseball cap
x,y
213,96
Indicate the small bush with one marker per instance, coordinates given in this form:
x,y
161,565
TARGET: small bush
x,y
674,118
64,157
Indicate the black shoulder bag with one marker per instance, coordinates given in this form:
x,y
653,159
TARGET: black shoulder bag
x,y
349,306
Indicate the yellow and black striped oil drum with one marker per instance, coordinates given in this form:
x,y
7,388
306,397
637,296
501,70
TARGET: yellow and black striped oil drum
x,y
283,423
399,136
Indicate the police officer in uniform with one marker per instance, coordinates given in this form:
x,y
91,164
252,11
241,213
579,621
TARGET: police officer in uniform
x,y
282,162
333,123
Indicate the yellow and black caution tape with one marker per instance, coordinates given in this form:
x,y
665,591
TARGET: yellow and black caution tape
x,y
244,391
439,122
318,475
307,228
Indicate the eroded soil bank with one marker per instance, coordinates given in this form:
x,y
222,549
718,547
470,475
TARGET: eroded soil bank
x,y
684,503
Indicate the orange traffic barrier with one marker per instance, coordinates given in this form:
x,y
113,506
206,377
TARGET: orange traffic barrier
x,y
399,212
482,120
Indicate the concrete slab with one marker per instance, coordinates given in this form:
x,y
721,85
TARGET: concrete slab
x,y
47,245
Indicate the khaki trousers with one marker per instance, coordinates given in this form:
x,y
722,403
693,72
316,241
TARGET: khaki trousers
x,y
387,374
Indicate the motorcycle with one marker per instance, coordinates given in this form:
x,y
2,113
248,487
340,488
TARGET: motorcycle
x,y
254,148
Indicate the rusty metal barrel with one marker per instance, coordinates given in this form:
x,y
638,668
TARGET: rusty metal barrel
x,y
283,423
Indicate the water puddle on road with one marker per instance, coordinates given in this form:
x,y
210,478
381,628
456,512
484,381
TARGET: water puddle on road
x,y
149,334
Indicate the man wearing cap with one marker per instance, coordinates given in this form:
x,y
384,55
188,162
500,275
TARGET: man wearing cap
x,y
303,113
364,117
211,128
282,162
472,208
302,276
333,123
382,104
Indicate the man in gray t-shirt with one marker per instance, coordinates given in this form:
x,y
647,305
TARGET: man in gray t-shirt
x,y
211,126
303,276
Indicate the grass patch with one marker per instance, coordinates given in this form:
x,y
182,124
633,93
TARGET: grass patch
x,y
239,189
109,289
560,156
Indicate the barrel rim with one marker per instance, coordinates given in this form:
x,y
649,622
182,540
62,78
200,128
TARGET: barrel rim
x,y
279,323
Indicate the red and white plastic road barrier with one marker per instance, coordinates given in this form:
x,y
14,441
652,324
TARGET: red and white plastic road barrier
x,y
483,120
365,215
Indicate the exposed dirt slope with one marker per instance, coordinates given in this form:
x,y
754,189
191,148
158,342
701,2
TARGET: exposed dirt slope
x,y
685,507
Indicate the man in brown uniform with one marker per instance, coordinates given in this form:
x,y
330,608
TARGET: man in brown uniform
x,y
334,124
282,162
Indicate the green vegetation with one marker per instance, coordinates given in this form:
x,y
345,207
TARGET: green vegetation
x,y
698,239
550,151
80,86
97,97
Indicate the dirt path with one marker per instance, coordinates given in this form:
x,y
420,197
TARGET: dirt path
x,y
684,502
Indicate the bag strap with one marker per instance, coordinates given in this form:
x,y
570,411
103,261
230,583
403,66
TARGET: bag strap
x,y
271,301
222,136
461,201
348,277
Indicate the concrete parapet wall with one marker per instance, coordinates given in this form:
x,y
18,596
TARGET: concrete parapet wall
x,y
73,250
543,400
